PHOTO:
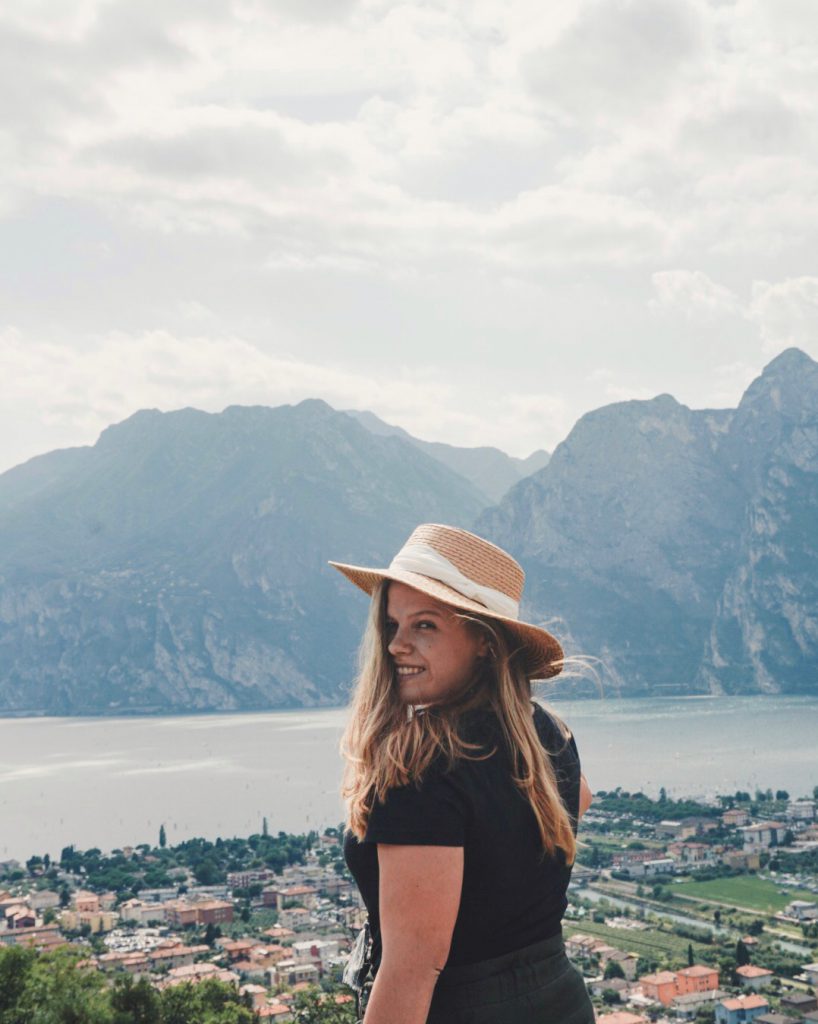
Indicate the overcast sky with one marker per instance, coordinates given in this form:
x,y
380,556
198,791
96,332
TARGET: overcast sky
x,y
477,219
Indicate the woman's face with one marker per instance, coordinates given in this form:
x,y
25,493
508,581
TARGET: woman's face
x,y
434,653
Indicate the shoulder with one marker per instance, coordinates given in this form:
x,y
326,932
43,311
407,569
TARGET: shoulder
x,y
555,735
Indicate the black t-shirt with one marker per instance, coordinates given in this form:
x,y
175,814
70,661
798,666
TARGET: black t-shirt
x,y
511,897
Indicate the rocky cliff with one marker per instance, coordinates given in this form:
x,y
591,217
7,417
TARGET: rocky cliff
x,y
679,545
180,562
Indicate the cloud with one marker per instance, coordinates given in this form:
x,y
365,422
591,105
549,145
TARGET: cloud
x,y
787,314
694,294
618,58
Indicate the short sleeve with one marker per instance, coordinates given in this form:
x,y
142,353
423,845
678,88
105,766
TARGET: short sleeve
x,y
566,762
434,814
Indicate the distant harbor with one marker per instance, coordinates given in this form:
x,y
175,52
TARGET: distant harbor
x,y
106,782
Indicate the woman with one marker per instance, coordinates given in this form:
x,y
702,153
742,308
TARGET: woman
x,y
463,796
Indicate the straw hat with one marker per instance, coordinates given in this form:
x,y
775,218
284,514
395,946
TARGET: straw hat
x,y
471,574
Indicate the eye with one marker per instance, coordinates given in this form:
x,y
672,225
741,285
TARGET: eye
x,y
426,622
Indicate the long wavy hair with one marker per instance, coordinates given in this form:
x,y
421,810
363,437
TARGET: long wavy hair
x,y
384,745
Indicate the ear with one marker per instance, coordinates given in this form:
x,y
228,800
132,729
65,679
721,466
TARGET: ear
x,y
483,646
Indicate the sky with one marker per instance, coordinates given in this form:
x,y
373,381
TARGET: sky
x,y
478,219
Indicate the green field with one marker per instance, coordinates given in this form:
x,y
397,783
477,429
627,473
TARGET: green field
x,y
748,891
648,942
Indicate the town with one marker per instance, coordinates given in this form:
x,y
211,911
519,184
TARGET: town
x,y
679,910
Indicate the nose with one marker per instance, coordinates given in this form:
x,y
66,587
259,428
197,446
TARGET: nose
x,y
399,643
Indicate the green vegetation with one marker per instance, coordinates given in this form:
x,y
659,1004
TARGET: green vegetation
x,y
651,943
169,867
749,891
50,988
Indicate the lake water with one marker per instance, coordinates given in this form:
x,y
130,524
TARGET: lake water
x,y
110,782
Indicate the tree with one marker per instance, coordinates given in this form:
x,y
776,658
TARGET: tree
x,y
139,1000
662,795
212,932
742,954
265,831
690,960
782,794
163,839
613,969
318,1008
717,916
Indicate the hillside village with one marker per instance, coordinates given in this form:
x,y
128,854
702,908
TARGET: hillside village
x,y
678,911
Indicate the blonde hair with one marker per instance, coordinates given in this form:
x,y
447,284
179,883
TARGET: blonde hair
x,y
384,747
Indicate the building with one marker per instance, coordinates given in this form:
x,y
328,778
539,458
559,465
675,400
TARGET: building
x,y
697,978
660,986
801,810
87,902
735,817
294,917
799,1002
754,977
665,986
802,910
244,879
811,972
141,912
738,1009
290,896
181,912
763,835
687,1006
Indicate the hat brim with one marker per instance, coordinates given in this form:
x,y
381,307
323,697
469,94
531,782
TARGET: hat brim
x,y
544,652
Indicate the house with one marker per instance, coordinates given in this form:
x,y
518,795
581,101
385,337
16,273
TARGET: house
x,y
43,899
738,1009
697,978
801,810
749,860
660,986
774,1018
754,977
289,972
735,817
763,835
693,854
290,896
687,1006
676,829
618,985
627,961
257,993
86,901
141,912
294,917
811,971
802,910
799,1002
181,912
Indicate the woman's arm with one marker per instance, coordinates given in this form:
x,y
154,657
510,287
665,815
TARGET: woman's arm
x,y
419,896
585,795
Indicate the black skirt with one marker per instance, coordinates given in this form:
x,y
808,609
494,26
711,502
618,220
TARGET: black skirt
x,y
534,985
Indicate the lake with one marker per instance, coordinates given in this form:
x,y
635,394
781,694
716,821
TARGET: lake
x,y
110,782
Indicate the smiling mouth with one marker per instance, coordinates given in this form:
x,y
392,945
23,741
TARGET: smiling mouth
x,y
408,671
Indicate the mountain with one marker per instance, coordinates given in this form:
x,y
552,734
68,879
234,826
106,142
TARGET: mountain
x,y
678,545
490,470
180,562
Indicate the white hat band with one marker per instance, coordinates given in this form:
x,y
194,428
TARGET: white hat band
x,y
427,561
